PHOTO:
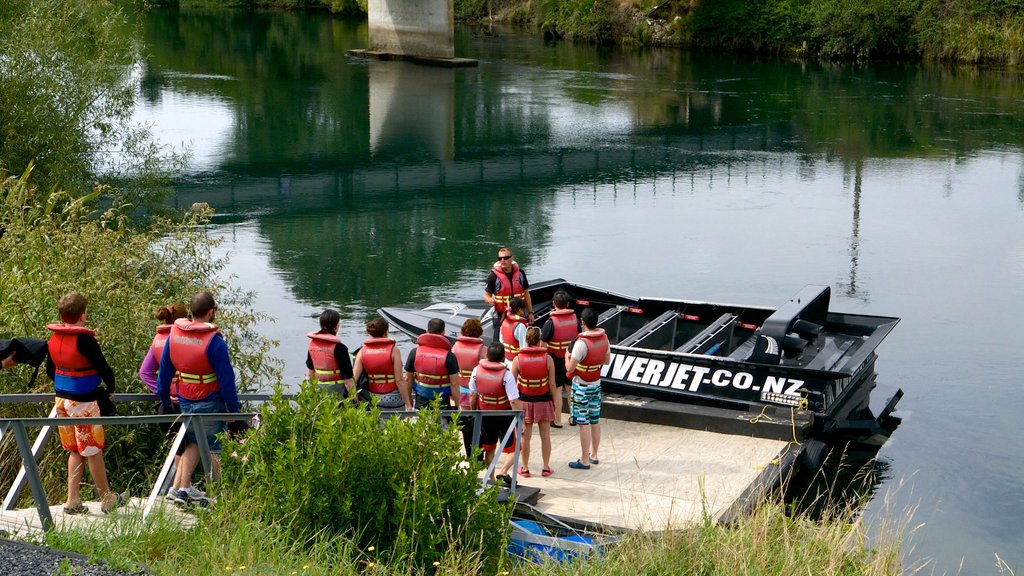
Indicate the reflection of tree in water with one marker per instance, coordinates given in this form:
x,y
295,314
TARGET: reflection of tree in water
x,y
382,251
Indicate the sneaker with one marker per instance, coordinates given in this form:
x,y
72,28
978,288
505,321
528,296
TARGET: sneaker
x,y
180,497
195,494
195,497
172,494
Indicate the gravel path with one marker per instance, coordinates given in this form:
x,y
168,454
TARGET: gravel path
x,y
18,559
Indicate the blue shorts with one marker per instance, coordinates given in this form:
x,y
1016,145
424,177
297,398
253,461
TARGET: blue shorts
x,y
214,406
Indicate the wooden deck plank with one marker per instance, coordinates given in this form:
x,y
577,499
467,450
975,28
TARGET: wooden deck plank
x,y
650,477
26,520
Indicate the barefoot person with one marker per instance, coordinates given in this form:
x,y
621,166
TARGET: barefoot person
x,y
534,372
588,355
76,366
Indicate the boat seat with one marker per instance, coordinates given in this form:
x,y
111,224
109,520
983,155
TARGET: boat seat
x,y
652,331
712,339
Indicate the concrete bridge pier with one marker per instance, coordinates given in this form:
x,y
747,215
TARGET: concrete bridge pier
x,y
419,30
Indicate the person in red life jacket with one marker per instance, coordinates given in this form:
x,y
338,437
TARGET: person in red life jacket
x,y
491,387
513,329
506,281
584,362
469,350
431,369
380,362
534,372
148,372
76,366
327,359
196,361
559,330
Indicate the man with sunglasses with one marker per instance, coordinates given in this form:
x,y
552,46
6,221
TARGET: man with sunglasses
x,y
505,282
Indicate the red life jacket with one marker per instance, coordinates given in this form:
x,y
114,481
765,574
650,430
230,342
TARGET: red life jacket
x,y
490,386
508,335
378,365
432,378
503,291
193,374
589,370
533,372
157,348
63,348
468,351
74,373
321,353
566,327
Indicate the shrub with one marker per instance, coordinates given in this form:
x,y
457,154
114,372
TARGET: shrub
x,y
400,489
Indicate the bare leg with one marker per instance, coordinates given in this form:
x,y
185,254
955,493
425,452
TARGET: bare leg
x,y
188,462
557,397
595,435
75,469
584,442
545,442
525,450
98,471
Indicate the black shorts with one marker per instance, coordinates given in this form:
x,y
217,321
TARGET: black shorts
x,y
493,429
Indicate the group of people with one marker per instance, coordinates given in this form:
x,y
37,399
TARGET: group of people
x,y
524,368
187,366
189,369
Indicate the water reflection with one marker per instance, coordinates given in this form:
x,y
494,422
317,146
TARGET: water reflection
x,y
412,111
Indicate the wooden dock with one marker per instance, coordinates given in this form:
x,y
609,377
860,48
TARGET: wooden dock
x,y
654,477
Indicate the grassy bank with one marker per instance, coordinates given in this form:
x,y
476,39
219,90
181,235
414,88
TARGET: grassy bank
x,y
235,542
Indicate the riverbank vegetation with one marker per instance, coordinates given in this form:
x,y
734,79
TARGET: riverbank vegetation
x,y
950,30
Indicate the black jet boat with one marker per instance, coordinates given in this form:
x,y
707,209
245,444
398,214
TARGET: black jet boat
x,y
795,372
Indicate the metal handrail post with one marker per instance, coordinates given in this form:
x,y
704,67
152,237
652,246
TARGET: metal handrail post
x,y
199,429
28,462
477,425
165,470
37,449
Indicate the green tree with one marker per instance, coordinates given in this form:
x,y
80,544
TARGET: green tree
x,y
67,96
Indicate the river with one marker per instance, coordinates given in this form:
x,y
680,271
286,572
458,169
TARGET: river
x,y
354,184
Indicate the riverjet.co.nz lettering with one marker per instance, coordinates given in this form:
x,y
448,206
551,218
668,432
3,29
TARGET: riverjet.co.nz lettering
x,y
690,378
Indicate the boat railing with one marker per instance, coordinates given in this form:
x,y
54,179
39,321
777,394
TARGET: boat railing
x,y
31,451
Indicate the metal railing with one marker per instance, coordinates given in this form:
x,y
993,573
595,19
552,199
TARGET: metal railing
x,y
30,453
